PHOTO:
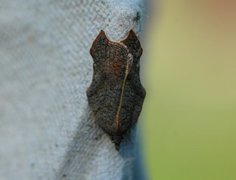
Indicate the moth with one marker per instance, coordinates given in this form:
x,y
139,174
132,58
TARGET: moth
x,y
116,94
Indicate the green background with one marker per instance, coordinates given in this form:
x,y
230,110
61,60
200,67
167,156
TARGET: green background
x,y
189,116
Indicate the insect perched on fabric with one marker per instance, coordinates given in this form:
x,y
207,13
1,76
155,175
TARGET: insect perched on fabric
x,y
116,94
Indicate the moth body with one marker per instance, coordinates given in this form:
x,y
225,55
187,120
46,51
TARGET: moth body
x,y
116,95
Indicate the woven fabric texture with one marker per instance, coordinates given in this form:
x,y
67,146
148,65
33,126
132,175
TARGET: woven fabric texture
x,y
46,129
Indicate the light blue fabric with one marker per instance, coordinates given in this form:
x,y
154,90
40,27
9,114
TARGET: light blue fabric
x,y
46,130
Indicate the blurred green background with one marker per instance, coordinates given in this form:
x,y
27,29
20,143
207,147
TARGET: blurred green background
x,y
189,114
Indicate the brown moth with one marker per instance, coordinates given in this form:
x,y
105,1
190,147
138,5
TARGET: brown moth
x,y
116,94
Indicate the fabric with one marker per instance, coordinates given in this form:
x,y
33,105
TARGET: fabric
x,y
46,129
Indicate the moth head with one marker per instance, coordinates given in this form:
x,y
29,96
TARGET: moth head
x,y
134,46
110,58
